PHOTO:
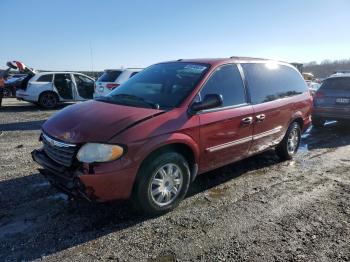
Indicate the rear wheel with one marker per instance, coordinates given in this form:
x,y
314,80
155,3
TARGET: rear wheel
x,y
318,122
48,100
162,183
290,143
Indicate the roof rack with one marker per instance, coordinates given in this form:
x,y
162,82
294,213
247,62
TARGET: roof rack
x,y
341,72
246,57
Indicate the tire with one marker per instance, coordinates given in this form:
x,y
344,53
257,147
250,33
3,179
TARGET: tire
x,y
48,100
154,184
318,122
290,143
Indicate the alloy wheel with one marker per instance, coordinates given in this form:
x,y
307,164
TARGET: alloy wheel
x,y
49,100
293,141
166,184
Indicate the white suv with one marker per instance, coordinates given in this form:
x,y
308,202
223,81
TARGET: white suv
x,y
49,88
112,78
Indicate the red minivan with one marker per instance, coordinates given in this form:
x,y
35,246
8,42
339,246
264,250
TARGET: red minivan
x,y
151,137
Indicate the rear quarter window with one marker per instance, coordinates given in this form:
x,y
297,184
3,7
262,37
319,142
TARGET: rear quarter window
x,y
268,82
45,78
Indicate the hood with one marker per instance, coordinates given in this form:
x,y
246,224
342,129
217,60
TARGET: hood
x,y
94,121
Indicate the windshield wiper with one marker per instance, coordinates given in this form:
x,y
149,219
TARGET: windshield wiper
x,y
139,99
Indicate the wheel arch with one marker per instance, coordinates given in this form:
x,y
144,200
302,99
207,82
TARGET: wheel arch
x,y
300,121
180,143
298,118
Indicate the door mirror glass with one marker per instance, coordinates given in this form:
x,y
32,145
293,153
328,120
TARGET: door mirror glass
x,y
210,101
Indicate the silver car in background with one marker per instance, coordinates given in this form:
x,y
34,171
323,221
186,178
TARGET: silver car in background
x,y
112,78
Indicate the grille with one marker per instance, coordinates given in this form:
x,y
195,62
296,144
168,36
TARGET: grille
x,y
59,152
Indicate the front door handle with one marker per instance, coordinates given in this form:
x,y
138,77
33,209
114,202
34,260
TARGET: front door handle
x,y
247,120
260,118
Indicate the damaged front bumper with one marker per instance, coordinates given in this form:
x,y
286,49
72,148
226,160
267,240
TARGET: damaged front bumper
x,y
60,177
104,182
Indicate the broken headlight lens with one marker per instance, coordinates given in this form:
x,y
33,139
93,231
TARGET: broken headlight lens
x,y
93,152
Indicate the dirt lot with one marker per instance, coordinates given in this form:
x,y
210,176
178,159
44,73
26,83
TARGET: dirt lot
x,y
259,209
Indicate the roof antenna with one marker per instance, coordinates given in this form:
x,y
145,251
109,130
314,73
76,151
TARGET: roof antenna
x,y
91,60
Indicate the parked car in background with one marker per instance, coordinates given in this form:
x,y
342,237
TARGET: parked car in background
x,y
313,87
49,88
332,100
112,78
150,137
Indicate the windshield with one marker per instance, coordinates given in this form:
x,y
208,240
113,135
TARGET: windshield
x,y
342,83
163,85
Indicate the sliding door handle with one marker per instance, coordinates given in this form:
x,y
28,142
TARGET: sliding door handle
x,y
260,118
247,120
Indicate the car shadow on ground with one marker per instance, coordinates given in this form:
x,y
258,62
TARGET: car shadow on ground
x,y
51,221
22,126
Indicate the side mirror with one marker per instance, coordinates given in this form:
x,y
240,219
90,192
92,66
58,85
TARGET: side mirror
x,y
209,101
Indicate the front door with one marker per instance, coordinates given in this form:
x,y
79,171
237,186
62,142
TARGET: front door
x,y
64,85
225,132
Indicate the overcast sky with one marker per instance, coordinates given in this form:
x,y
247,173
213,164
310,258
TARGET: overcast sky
x,y
81,35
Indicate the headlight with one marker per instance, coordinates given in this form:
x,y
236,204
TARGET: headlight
x,y
93,152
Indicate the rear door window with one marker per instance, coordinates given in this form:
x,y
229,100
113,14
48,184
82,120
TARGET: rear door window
x,y
45,78
109,76
339,83
227,82
268,81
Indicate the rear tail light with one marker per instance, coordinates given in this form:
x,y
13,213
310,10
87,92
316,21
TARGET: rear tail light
x,y
319,98
112,86
319,94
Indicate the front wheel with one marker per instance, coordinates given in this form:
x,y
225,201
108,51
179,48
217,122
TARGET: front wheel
x,y
290,143
162,183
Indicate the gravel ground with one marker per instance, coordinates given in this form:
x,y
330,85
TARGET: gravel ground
x,y
259,209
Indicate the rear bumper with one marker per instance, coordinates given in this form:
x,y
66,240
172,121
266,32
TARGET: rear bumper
x,y
100,187
331,113
23,95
